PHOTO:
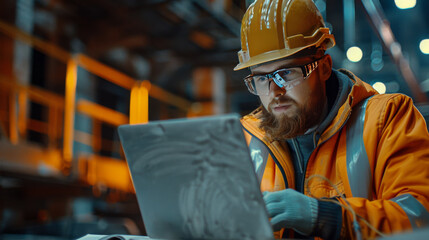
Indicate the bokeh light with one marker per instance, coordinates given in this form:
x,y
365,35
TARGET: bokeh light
x,y
380,87
424,46
405,4
354,54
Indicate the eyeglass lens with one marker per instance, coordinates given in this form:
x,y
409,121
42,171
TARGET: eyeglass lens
x,y
283,78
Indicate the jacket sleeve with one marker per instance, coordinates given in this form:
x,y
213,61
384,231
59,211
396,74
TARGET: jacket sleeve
x,y
397,145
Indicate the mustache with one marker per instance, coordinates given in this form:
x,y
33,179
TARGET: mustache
x,y
281,100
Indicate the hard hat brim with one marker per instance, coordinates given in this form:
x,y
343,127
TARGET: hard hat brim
x,y
268,57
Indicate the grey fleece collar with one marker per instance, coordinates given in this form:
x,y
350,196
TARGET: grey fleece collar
x,y
345,85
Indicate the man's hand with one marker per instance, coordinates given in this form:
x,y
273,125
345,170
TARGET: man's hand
x,y
291,209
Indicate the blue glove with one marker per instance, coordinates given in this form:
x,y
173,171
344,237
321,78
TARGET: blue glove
x,y
291,209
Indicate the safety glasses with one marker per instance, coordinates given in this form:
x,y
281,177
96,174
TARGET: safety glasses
x,y
285,78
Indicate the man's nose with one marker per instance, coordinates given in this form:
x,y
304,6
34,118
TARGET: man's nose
x,y
276,90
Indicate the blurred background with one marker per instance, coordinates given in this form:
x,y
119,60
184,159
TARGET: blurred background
x,y
72,71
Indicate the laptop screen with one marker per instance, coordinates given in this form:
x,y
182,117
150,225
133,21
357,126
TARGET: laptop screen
x,y
194,179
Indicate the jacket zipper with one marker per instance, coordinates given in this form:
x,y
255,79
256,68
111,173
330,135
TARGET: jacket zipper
x,y
298,155
303,170
314,139
305,166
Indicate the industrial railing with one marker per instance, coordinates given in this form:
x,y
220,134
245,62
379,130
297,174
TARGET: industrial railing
x,y
62,109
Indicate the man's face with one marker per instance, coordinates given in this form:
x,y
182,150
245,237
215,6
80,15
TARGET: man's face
x,y
290,113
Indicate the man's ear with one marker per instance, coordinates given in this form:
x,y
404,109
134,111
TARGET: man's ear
x,y
325,67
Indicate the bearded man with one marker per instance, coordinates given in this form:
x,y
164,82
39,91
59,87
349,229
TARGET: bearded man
x,y
339,159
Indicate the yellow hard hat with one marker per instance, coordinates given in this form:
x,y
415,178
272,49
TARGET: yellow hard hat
x,y
274,29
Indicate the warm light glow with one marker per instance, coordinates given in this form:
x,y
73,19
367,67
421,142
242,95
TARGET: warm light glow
x,y
101,169
99,112
424,46
69,111
380,87
354,54
405,4
139,103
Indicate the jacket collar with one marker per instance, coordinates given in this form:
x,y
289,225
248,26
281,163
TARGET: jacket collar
x,y
352,90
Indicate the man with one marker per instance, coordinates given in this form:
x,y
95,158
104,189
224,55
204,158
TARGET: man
x,y
330,152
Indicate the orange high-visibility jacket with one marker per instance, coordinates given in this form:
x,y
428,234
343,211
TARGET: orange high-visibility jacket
x,y
375,151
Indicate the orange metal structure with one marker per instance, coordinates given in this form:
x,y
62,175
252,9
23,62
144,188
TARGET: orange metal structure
x,y
59,160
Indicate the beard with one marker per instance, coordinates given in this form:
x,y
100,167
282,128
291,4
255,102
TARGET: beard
x,y
284,127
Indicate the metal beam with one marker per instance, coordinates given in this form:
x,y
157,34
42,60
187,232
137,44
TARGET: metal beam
x,y
222,17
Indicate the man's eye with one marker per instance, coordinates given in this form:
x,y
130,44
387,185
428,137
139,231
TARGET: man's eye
x,y
260,79
286,72
289,74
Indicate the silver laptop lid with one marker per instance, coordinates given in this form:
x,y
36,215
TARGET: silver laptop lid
x,y
194,179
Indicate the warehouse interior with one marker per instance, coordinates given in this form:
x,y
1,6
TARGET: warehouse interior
x,y
72,71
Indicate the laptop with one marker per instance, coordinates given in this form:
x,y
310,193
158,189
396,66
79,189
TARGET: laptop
x,y
194,179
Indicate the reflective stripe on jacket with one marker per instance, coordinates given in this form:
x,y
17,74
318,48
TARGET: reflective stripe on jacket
x,y
377,157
